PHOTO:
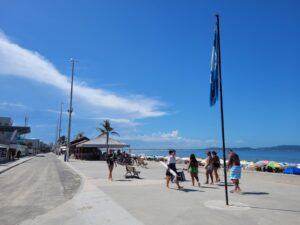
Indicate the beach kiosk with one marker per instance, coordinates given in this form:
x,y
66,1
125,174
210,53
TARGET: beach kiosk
x,y
97,146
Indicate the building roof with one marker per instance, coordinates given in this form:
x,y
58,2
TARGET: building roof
x,y
100,142
21,130
79,141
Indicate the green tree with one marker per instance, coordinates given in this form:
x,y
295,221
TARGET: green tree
x,y
107,130
79,135
62,140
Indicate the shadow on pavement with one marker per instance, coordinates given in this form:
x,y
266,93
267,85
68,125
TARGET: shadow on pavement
x,y
272,209
254,193
135,177
122,180
228,185
191,190
210,187
186,190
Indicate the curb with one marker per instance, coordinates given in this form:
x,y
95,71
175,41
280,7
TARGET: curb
x,y
17,164
82,177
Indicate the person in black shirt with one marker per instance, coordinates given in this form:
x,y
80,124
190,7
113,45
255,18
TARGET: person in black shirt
x,y
110,163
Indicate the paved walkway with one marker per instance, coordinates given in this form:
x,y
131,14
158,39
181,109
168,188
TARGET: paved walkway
x,y
34,188
90,206
267,199
11,164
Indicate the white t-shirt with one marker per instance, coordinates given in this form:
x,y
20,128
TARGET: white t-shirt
x,y
171,159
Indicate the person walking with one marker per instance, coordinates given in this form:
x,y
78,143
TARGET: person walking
x,y
216,165
110,163
193,169
171,163
235,170
209,168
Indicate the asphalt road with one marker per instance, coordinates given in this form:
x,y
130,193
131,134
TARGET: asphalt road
x,y
35,187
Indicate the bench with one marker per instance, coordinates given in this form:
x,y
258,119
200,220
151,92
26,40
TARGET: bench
x,y
130,170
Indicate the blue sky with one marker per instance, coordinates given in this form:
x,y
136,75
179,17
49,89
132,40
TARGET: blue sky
x,y
145,65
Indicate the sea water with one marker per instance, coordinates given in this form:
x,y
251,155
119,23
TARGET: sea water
x,y
289,156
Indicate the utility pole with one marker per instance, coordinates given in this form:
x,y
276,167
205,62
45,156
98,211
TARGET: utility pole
x,y
59,129
26,121
56,136
70,112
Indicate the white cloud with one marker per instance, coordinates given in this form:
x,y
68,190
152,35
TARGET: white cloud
x,y
172,136
119,121
13,105
211,141
21,62
57,112
239,141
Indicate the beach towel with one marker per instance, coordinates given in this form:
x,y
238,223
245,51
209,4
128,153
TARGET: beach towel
x,y
235,173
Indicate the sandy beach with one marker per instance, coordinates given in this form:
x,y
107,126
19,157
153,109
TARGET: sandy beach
x,y
266,198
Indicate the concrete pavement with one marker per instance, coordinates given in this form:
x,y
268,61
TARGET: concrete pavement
x,y
11,164
266,199
34,188
90,206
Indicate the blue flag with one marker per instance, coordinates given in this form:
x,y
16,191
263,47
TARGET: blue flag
x,y
214,76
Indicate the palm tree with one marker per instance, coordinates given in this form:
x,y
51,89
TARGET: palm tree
x,y
79,135
106,130
62,140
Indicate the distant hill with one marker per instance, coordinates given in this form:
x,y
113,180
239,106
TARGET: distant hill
x,y
283,147
278,147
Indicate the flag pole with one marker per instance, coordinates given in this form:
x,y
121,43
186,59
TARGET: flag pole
x,y
222,113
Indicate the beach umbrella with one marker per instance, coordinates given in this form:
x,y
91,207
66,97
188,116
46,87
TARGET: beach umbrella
x,y
292,170
274,165
262,162
285,165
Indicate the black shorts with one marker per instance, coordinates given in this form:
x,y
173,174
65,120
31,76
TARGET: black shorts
x,y
216,165
172,166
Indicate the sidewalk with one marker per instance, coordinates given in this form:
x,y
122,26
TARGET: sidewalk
x,y
10,164
266,199
90,206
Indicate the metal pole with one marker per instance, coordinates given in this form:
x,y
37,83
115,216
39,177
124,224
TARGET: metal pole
x,y
222,113
59,130
70,111
55,137
26,121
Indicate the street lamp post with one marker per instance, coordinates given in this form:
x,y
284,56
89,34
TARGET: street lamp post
x,y
60,117
70,111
